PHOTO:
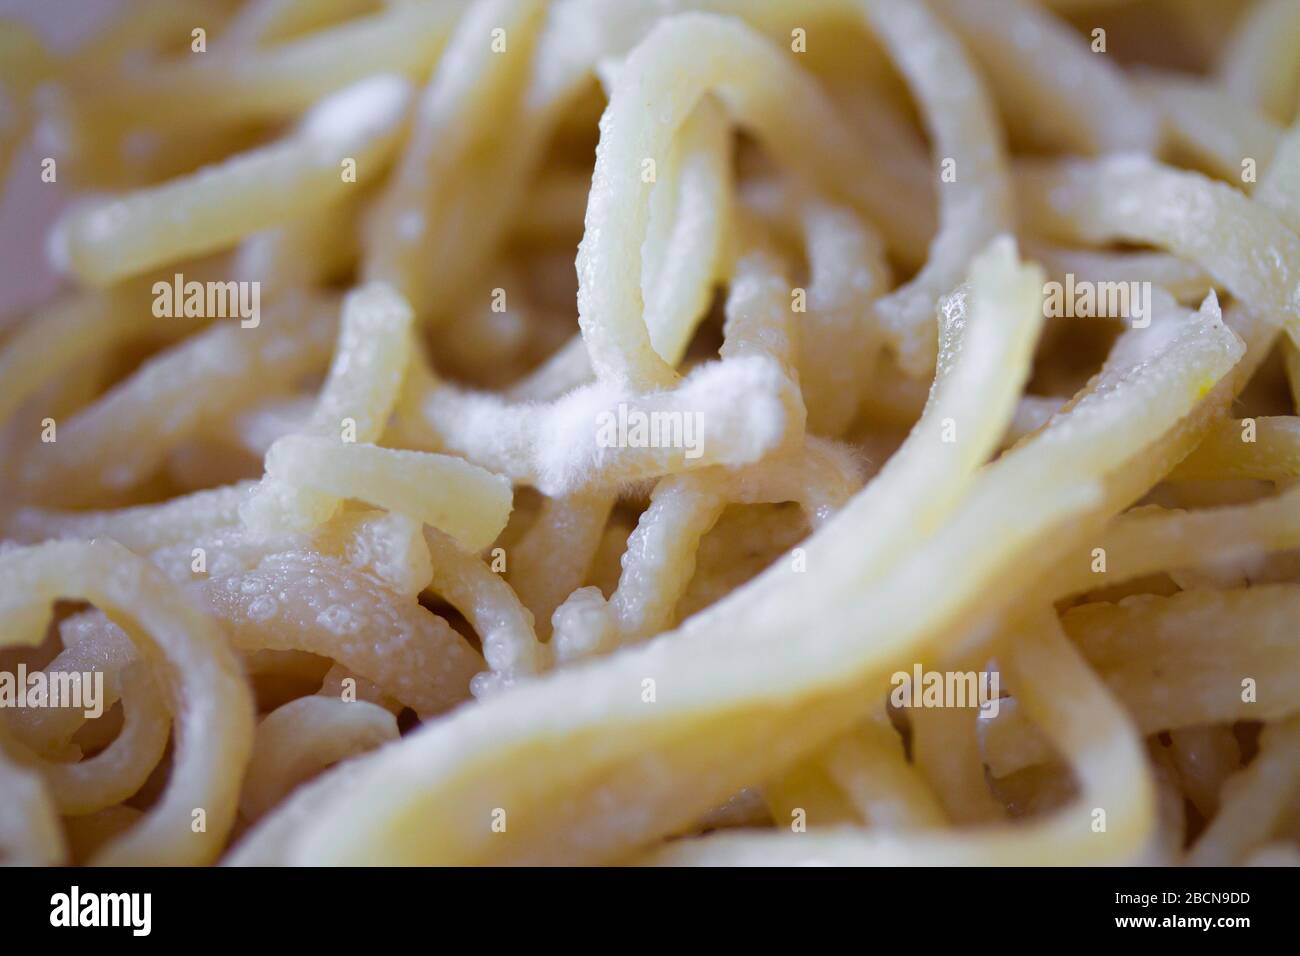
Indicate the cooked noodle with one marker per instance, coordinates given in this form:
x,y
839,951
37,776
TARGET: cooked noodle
x,y
907,337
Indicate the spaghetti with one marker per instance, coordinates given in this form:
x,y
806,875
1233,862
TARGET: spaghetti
x,y
396,539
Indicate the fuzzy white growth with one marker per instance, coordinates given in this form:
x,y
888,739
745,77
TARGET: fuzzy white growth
x,y
743,405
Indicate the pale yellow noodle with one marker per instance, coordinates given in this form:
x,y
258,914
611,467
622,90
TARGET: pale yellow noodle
x,y
1165,658
1063,94
504,627
869,765
1254,799
647,570
1264,448
1105,753
213,708
754,618
552,560
218,206
1232,139
1260,65
370,357
263,22
295,742
945,752
115,773
331,610
169,398
29,824
282,80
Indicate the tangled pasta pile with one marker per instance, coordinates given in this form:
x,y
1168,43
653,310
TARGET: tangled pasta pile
x,y
382,558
